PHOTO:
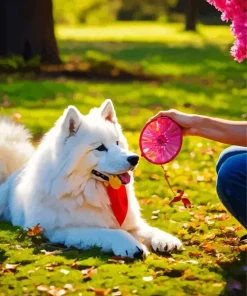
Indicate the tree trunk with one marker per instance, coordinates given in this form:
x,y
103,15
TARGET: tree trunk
x,y
192,14
27,29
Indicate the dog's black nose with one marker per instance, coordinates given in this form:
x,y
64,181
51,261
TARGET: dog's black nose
x,y
133,160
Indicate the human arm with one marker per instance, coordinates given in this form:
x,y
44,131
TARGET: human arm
x,y
220,130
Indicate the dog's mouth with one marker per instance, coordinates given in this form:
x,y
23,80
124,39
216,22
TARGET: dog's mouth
x,y
124,178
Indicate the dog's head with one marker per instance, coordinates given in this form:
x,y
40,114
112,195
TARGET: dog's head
x,y
94,145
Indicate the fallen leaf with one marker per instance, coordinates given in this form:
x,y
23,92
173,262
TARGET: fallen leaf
x,y
185,225
221,217
194,254
78,266
42,288
35,230
191,277
11,267
120,259
210,236
50,266
148,278
115,261
51,253
239,228
208,247
69,287
171,260
200,178
99,292
88,273
56,291
156,212
118,293
64,271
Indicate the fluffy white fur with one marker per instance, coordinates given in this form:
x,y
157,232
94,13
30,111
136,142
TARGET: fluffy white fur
x,y
54,186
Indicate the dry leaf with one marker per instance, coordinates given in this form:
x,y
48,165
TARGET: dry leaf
x,y
64,271
191,277
11,267
148,278
56,291
194,254
221,217
120,259
156,212
208,247
69,287
88,273
50,266
118,293
99,292
35,230
51,253
42,288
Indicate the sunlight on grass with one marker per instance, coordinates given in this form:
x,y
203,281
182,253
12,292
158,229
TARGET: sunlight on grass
x,y
147,32
201,78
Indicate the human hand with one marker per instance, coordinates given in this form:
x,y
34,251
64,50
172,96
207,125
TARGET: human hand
x,y
186,121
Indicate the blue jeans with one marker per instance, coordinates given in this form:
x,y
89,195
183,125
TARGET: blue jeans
x,y
232,182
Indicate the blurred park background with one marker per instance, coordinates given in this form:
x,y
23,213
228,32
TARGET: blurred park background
x,y
146,56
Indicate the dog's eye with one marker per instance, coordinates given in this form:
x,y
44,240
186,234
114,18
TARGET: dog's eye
x,y
117,142
102,148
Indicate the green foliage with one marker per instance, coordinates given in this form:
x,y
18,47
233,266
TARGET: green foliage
x,y
15,63
98,12
201,78
90,12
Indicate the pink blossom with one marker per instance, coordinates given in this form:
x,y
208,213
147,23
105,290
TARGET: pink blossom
x,y
236,12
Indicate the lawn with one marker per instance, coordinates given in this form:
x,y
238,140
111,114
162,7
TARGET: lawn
x,y
203,79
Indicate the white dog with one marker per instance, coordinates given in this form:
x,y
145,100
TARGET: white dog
x,y
61,185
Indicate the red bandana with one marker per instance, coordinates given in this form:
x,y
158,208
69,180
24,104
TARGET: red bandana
x,y
119,202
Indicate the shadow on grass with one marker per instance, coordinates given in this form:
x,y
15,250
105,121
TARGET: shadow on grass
x,y
235,276
208,61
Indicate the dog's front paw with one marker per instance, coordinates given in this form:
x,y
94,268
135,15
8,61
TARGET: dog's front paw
x,y
165,242
130,247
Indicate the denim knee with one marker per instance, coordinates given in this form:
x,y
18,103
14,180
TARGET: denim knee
x,y
231,186
227,153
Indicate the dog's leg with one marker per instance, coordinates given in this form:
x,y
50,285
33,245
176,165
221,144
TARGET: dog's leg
x,y
155,238
119,242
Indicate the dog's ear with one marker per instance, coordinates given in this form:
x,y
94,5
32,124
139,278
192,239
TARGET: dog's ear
x,y
108,111
71,120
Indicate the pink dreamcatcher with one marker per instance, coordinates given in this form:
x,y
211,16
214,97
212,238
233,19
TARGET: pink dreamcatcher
x,y
160,142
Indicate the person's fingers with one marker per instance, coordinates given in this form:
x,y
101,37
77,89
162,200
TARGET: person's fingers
x,y
169,113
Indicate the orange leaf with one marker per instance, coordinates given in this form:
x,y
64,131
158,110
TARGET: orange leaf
x,y
221,217
35,230
194,254
88,273
99,292
120,259
11,267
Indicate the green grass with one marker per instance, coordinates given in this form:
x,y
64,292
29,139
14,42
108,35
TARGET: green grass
x,y
204,80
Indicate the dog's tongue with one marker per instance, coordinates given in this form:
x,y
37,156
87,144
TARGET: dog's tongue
x,y
125,178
